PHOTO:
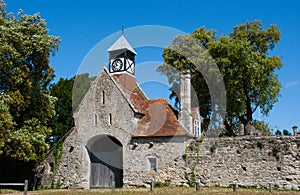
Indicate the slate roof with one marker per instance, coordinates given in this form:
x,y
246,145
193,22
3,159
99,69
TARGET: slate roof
x,y
121,44
158,117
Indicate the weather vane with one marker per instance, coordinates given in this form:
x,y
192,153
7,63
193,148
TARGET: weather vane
x,y
122,30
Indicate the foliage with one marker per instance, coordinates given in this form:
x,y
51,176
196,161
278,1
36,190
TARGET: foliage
x,y
69,94
25,75
173,61
276,149
278,132
191,178
57,153
260,145
28,142
82,83
6,123
63,121
184,157
244,60
262,127
158,184
286,132
213,148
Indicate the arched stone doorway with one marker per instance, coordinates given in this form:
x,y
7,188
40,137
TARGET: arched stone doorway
x,y
106,157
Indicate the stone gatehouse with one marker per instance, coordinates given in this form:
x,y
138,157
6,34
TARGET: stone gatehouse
x,y
122,138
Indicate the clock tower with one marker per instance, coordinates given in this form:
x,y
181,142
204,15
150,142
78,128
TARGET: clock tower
x,y
121,56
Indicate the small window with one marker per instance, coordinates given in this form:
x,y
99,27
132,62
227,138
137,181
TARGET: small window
x,y
95,119
71,149
51,165
103,97
196,128
110,119
153,164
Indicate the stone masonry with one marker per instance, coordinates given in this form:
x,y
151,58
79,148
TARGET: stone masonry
x,y
123,139
247,161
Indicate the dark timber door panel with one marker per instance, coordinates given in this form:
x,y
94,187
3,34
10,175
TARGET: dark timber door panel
x,y
102,176
106,162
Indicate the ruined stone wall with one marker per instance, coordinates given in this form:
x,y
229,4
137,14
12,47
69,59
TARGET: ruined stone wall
x,y
247,161
166,151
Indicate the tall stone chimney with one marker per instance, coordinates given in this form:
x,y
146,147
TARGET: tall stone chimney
x,y
185,100
295,131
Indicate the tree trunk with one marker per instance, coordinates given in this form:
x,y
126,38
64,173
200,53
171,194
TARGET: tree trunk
x,y
247,119
229,130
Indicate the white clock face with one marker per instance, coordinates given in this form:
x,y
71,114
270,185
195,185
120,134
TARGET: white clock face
x,y
117,65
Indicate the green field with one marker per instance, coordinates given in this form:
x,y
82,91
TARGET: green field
x,y
157,191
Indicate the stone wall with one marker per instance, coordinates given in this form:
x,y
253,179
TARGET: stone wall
x,y
247,161
74,165
167,152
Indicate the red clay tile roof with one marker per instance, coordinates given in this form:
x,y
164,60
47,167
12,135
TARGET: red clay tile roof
x,y
159,118
129,86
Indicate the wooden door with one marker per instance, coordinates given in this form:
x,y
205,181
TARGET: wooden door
x,y
101,176
106,163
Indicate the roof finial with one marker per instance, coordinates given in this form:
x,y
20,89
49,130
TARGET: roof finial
x,y
122,30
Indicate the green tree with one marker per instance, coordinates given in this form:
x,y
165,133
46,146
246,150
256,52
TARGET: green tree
x,y
245,63
69,93
174,61
262,127
6,123
286,132
82,83
25,74
278,132
63,121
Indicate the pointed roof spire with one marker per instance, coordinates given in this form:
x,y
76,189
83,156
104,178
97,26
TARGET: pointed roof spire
x,y
122,30
121,44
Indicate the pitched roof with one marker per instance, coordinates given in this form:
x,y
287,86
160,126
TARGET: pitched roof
x,y
160,120
131,89
158,117
121,44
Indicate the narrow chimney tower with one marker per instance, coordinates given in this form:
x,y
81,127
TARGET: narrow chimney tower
x,y
295,131
185,100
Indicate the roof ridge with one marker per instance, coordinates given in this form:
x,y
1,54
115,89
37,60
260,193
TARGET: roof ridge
x,y
133,107
120,44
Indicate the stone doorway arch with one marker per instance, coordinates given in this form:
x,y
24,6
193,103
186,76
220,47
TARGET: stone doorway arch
x,y
106,162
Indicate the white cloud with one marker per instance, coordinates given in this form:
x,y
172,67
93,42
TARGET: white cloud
x,y
292,83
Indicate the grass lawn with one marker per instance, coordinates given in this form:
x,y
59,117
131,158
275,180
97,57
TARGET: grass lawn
x,y
157,191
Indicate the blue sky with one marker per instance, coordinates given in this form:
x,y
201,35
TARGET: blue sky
x,y
82,24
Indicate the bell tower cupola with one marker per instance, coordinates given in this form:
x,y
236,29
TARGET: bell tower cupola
x,y
121,56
